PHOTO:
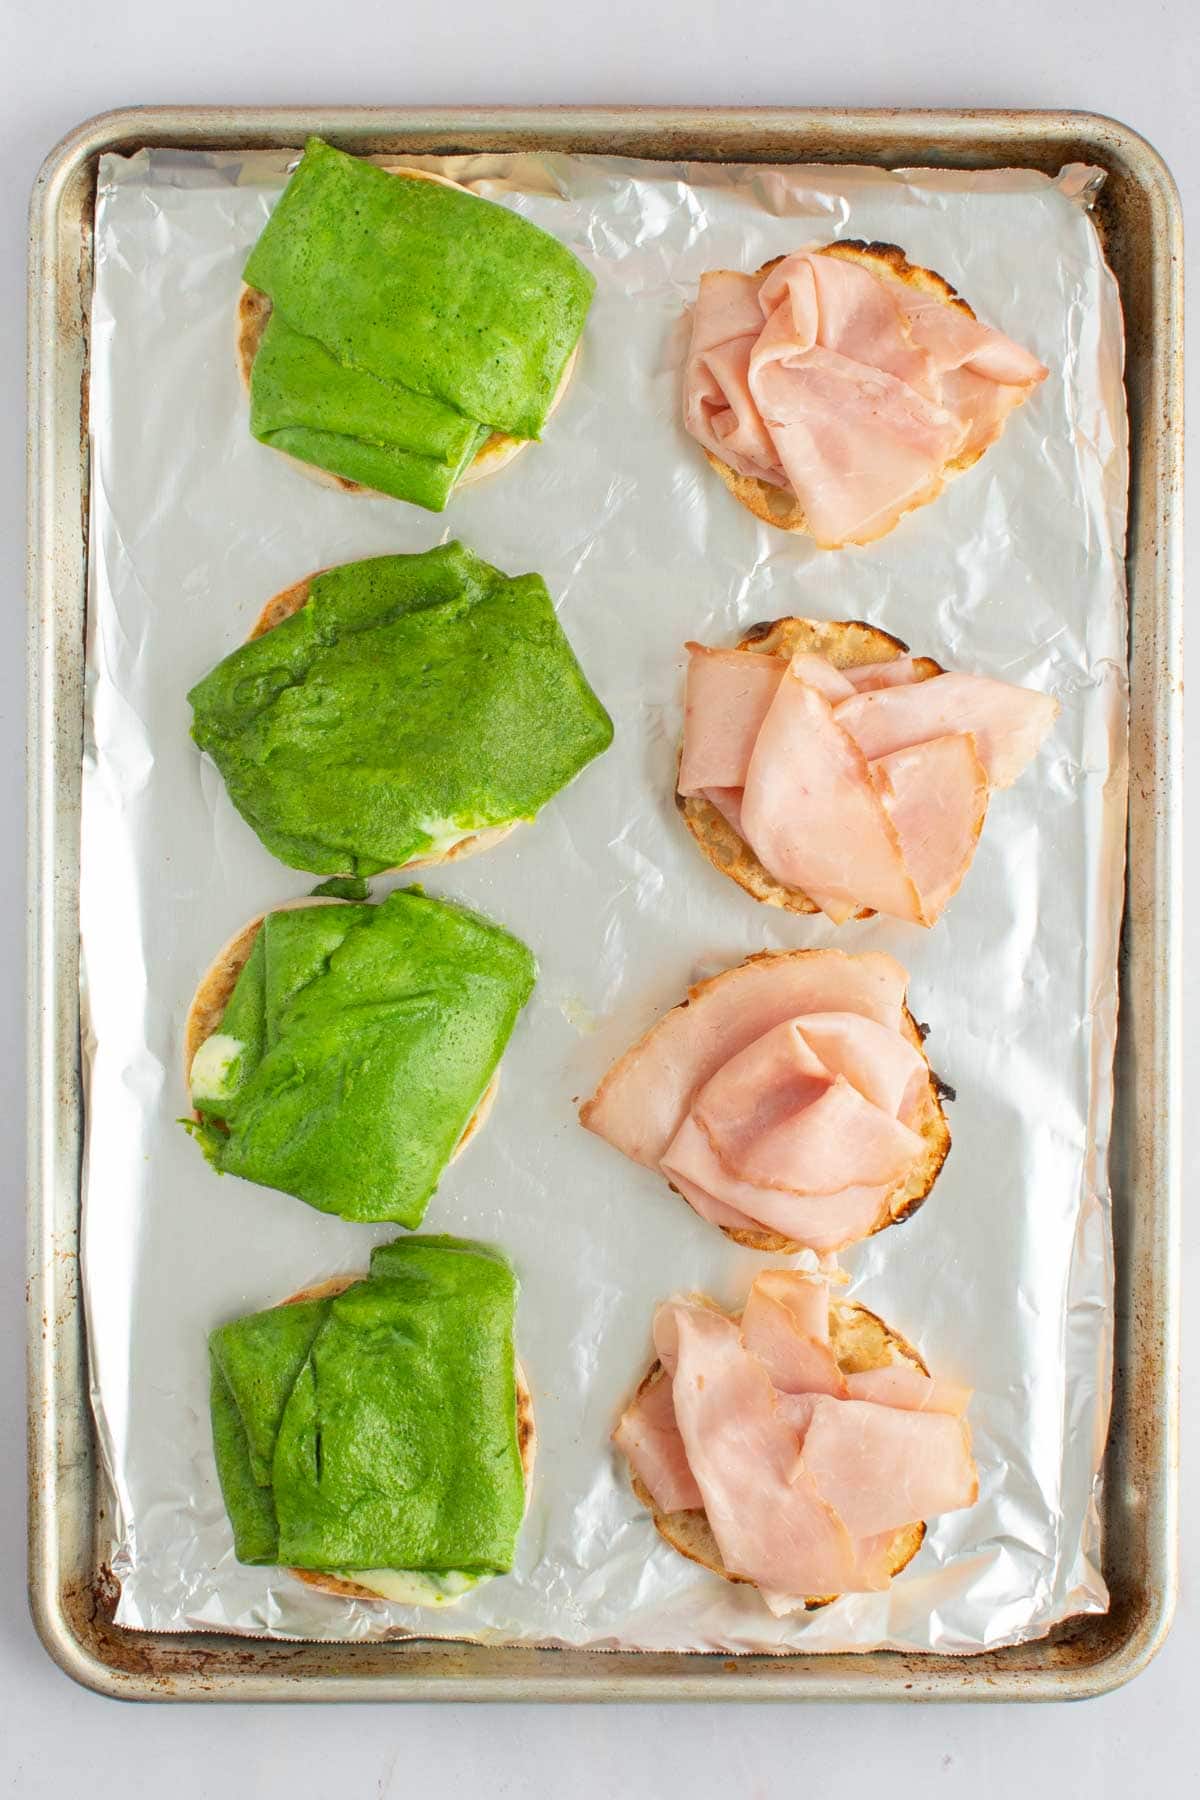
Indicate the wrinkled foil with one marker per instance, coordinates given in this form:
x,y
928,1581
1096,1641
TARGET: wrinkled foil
x,y
1004,1277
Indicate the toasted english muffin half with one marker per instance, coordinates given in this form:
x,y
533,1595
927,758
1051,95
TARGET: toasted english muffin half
x,y
846,644
253,311
281,606
526,1441
216,986
780,506
860,1340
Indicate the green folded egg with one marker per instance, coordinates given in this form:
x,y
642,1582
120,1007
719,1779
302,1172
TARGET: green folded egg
x,y
411,701
354,1050
409,321
377,1430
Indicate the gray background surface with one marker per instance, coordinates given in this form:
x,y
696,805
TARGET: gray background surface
x,y
60,62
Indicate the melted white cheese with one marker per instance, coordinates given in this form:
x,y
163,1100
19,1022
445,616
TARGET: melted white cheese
x,y
412,1587
211,1065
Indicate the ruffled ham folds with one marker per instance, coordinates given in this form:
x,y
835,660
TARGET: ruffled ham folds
x,y
855,390
783,1096
806,1476
861,787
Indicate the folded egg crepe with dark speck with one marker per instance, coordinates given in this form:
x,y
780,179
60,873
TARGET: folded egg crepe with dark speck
x,y
377,1429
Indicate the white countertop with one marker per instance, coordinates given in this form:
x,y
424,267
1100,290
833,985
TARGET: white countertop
x,y
63,60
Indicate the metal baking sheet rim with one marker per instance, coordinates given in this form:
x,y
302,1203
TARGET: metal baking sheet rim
x,y
71,1593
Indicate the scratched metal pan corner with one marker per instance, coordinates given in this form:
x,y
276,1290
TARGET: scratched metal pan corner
x,y
72,1592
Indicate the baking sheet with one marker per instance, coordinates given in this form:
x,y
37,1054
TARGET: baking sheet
x,y
1004,1277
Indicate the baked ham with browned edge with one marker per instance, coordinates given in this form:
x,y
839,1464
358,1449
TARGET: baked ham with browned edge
x,y
813,1478
848,381
860,787
787,1100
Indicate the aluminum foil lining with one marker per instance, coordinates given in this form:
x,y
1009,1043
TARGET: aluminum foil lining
x,y
1004,1276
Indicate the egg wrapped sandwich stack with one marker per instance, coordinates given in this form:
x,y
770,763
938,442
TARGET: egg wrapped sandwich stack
x,y
400,332
376,1436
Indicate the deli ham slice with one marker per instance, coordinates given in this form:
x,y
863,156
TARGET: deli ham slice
x,y
861,788
808,300
1007,723
808,1486
823,1222
897,673
797,1361
816,672
886,1068
728,696
762,1088
642,1101
983,376
649,1436
848,402
812,814
770,1522
898,1384
721,411
798,1409
804,1145
788,1096
728,802
880,1466
847,386
804,1297
936,796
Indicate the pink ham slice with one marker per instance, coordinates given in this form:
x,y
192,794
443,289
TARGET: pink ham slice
x,y
874,1562
885,1067
762,1087
769,1522
846,400
798,1410
805,1474
849,387
1008,723
813,816
804,1132
822,1222
720,410
864,787
799,1132
666,1335
643,1100
983,376
728,694
694,1172
899,1384
898,672
805,1298
728,802
649,1437
775,1117
819,673
858,450
936,796
838,1143
796,1361
831,301
954,339
879,1467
